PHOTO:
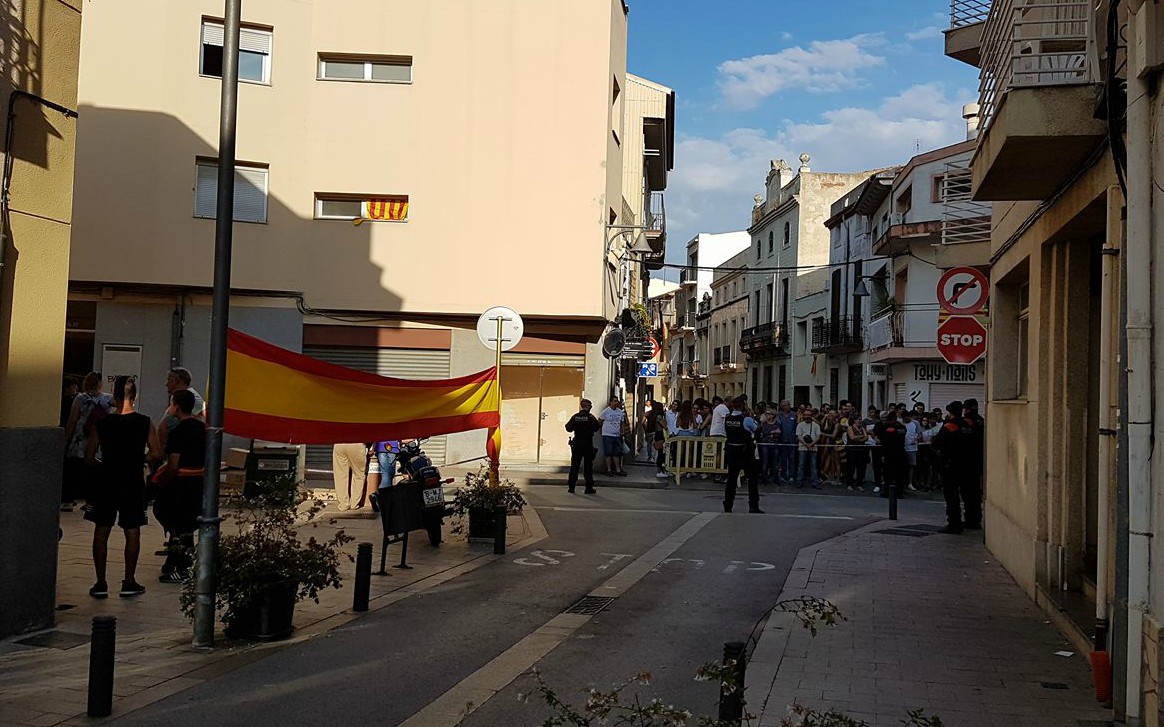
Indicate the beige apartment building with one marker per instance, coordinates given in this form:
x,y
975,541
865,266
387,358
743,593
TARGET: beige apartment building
x,y
402,168
41,42
725,312
1073,473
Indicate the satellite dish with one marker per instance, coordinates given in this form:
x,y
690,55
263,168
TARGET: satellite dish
x,y
613,343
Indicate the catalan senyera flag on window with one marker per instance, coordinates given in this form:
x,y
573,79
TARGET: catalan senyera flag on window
x,y
394,209
281,396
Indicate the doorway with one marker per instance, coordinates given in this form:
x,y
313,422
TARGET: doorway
x,y
535,405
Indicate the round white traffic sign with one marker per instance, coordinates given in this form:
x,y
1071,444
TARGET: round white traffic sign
x,y
511,328
963,291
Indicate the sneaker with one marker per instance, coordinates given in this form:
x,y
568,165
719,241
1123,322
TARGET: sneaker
x,y
662,475
172,577
590,491
570,490
374,500
911,488
755,511
816,485
860,488
131,588
849,488
621,473
99,590
876,490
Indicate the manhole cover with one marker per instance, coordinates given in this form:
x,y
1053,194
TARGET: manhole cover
x,y
590,605
55,640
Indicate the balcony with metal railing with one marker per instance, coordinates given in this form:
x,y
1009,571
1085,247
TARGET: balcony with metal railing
x,y
689,369
837,335
1036,97
767,340
964,37
965,222
688,277
903,333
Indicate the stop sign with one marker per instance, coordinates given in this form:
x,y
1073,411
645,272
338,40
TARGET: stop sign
x,y
961,340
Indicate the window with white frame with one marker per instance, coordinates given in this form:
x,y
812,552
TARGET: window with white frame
x,y
365,68
254,52
250,191
375,208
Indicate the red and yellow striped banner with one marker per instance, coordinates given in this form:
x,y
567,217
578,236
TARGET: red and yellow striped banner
x,y
388,208
280,396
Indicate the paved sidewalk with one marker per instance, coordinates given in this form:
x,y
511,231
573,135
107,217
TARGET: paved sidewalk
x,y
933,623
46,685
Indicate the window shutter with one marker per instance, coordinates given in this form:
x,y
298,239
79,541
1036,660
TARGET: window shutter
x,y
255,41
250,194
213,34
206,192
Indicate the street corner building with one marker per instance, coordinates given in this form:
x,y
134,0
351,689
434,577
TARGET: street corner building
x,y
401,168
41,42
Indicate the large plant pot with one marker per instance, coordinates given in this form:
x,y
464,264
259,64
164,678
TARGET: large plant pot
x,y
268,617
482,523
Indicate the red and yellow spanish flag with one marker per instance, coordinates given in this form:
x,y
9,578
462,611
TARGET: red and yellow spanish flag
x,y
280,396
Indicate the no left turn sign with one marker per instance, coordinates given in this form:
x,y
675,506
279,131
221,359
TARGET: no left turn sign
x,y
963,291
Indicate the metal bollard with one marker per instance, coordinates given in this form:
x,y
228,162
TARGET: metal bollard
x,y
731,701
102,645
363,582
499,520
892,502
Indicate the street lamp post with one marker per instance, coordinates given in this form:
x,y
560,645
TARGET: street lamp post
x,y
639,247
204,589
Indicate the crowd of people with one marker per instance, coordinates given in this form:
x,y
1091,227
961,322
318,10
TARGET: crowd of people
x,y
902,449
119,462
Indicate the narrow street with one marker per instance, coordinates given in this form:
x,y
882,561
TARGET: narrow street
x,y
387,666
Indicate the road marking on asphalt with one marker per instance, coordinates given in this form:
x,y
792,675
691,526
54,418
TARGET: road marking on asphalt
x,y
470,693
545,557
614,558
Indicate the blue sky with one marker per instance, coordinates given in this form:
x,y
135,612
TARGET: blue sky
x,y
857,84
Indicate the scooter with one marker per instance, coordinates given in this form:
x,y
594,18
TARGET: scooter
x,y
417,467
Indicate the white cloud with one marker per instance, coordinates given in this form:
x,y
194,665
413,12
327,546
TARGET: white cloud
x,y
929,32
824,66
714,180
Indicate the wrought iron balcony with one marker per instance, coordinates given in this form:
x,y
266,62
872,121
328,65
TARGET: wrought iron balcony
x,y
688,276
685,322
767,340
838,335
689,370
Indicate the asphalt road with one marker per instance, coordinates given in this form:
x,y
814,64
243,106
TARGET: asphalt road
x,y
383,668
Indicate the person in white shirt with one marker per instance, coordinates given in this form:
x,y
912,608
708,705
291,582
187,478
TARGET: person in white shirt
x,y
807,437
719,415
613,417
913,432
672,418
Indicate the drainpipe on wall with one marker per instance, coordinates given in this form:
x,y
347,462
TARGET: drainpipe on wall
x,y
1109,258
1138,256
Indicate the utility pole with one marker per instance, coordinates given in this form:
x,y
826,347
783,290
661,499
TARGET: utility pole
x,y
219,321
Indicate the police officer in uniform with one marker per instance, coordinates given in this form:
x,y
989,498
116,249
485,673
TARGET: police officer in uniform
x,y
952,442
741,456
583,426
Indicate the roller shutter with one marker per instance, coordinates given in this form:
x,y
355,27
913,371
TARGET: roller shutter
x,y
942,394
397,362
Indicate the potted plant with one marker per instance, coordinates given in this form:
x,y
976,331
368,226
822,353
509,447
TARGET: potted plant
x,y
264,568
477,501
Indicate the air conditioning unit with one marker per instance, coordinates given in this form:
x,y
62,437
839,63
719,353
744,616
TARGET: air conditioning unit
x,y
878,370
